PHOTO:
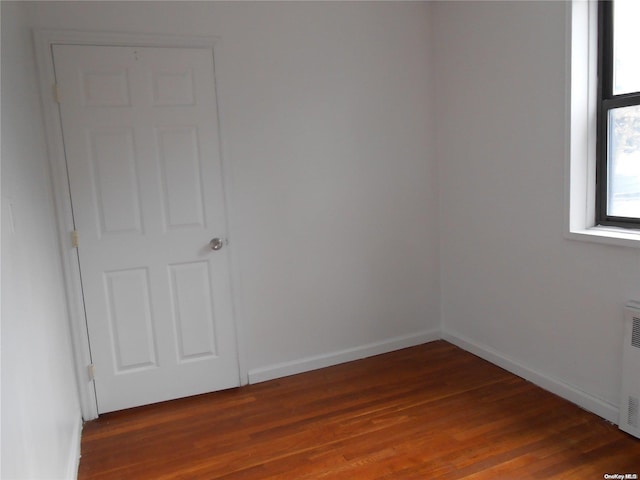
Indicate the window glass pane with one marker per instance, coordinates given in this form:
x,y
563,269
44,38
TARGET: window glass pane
x,y
624,162
626,38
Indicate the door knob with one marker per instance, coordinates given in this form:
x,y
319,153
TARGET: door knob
x,y
216,243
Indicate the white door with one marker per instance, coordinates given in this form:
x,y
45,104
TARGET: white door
x,y
141,140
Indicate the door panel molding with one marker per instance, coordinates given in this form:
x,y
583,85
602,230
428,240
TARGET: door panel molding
x,y
44,40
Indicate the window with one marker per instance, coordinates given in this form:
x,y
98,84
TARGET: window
x,y
618,111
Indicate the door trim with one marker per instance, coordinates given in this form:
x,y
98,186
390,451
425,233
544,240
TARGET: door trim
x,y
44,39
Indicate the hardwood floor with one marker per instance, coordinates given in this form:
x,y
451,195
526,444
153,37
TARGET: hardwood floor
x,y
427,412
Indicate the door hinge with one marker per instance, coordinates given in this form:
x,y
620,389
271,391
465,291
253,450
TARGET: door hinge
x,y
56,93
75,239
91,370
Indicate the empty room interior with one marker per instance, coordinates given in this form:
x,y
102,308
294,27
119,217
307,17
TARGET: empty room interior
x,y
258,198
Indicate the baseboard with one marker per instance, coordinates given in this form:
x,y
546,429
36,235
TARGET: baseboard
x,y
565,390
584,400
73,461
334,358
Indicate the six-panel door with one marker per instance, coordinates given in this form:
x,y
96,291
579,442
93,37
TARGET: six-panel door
x,y
141,141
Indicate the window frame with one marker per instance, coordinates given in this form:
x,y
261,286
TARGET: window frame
x,y
607,101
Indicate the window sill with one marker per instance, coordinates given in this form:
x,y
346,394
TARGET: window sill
x,y
607,236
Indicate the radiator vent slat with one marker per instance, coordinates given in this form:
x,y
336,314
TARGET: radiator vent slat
x,y
635,333
634,412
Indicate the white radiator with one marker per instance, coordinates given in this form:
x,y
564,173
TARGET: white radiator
x,y
630,395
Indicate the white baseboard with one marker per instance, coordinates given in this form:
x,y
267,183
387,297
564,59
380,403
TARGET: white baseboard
x,y
334,358
595,405
73,461
569,392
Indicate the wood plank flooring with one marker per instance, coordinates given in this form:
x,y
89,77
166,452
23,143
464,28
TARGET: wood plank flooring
x,y
427,412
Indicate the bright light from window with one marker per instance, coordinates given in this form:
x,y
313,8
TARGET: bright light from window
x,y
626,41
624,162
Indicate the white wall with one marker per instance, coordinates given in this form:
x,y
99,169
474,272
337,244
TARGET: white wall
x,y
512,285
326,118
40,409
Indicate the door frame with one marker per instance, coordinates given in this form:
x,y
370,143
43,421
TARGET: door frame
x,y
44,40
